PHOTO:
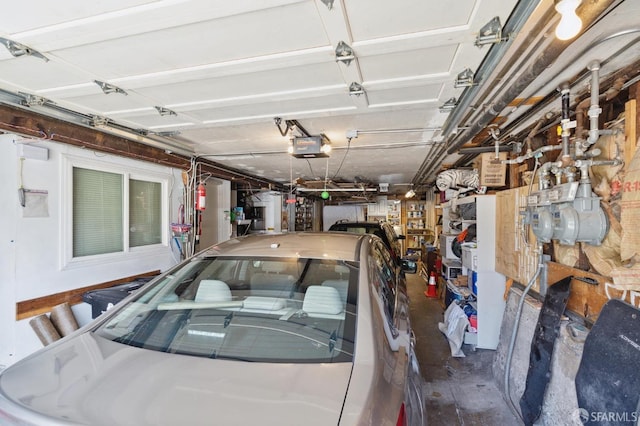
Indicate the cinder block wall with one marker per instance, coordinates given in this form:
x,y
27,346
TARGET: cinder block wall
x,y
560,403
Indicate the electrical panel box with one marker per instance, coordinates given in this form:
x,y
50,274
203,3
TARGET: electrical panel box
x,y
34,152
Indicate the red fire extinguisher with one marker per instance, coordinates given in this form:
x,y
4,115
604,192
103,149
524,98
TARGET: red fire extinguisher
x,y
201,197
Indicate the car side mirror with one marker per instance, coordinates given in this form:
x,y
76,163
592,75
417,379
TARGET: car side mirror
x,y
409,266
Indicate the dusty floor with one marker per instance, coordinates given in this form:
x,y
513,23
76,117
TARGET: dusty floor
x,y
458,391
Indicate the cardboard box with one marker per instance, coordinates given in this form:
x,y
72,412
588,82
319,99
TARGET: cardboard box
x,y
461,281
492,171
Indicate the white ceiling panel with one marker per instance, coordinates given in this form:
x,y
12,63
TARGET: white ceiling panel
x,y
405,64
34,74
391,18
227,69
404,95
29,14
101,102
247,87
300,107
87,23
202,43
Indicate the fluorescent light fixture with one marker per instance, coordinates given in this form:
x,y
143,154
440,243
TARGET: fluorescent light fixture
x,y
570,24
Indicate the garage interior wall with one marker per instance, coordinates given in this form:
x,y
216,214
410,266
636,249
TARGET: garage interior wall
x,y
31,252
216,226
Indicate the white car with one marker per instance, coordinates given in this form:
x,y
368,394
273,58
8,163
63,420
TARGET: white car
x,y
285,329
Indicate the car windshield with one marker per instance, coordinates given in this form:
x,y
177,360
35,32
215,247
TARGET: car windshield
x,y
248,309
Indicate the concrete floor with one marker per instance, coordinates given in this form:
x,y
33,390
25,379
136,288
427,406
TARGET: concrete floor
x,y
458,391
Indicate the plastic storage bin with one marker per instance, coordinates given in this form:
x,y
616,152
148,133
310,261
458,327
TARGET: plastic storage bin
x,y
103,299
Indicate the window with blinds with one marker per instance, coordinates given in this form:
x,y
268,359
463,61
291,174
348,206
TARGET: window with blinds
x,y
99,212
145,213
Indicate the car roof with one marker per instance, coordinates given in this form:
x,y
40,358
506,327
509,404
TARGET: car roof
x,y
378,225
318,245
356,222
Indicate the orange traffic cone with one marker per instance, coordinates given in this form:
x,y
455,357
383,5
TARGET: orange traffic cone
x,y
431,288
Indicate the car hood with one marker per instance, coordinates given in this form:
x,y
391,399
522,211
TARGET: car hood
x,y
87,379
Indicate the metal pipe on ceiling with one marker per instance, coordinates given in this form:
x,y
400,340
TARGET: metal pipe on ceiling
x,y
619,83
483,149
514,24
370,132
521,123
589,12
299,189
516,21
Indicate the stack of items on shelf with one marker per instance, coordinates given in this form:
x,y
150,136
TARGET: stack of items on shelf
x,y
468,267
416,225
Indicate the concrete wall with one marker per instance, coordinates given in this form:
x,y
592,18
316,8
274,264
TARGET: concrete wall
x,y
560,403
32,258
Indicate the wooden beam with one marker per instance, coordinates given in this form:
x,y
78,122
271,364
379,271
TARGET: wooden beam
x,y
31,124
41,305
28,123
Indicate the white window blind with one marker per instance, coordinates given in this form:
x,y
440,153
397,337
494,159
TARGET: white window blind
x,y
97,212
145,213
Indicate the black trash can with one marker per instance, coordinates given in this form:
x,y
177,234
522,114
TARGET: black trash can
x,y
103,299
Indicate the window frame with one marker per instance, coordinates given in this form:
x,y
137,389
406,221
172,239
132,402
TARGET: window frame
x,y
67,260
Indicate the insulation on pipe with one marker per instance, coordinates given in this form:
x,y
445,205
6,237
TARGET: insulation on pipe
x,y
63,319
44,329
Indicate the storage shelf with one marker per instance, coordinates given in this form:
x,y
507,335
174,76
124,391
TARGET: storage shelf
x,y
480,263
